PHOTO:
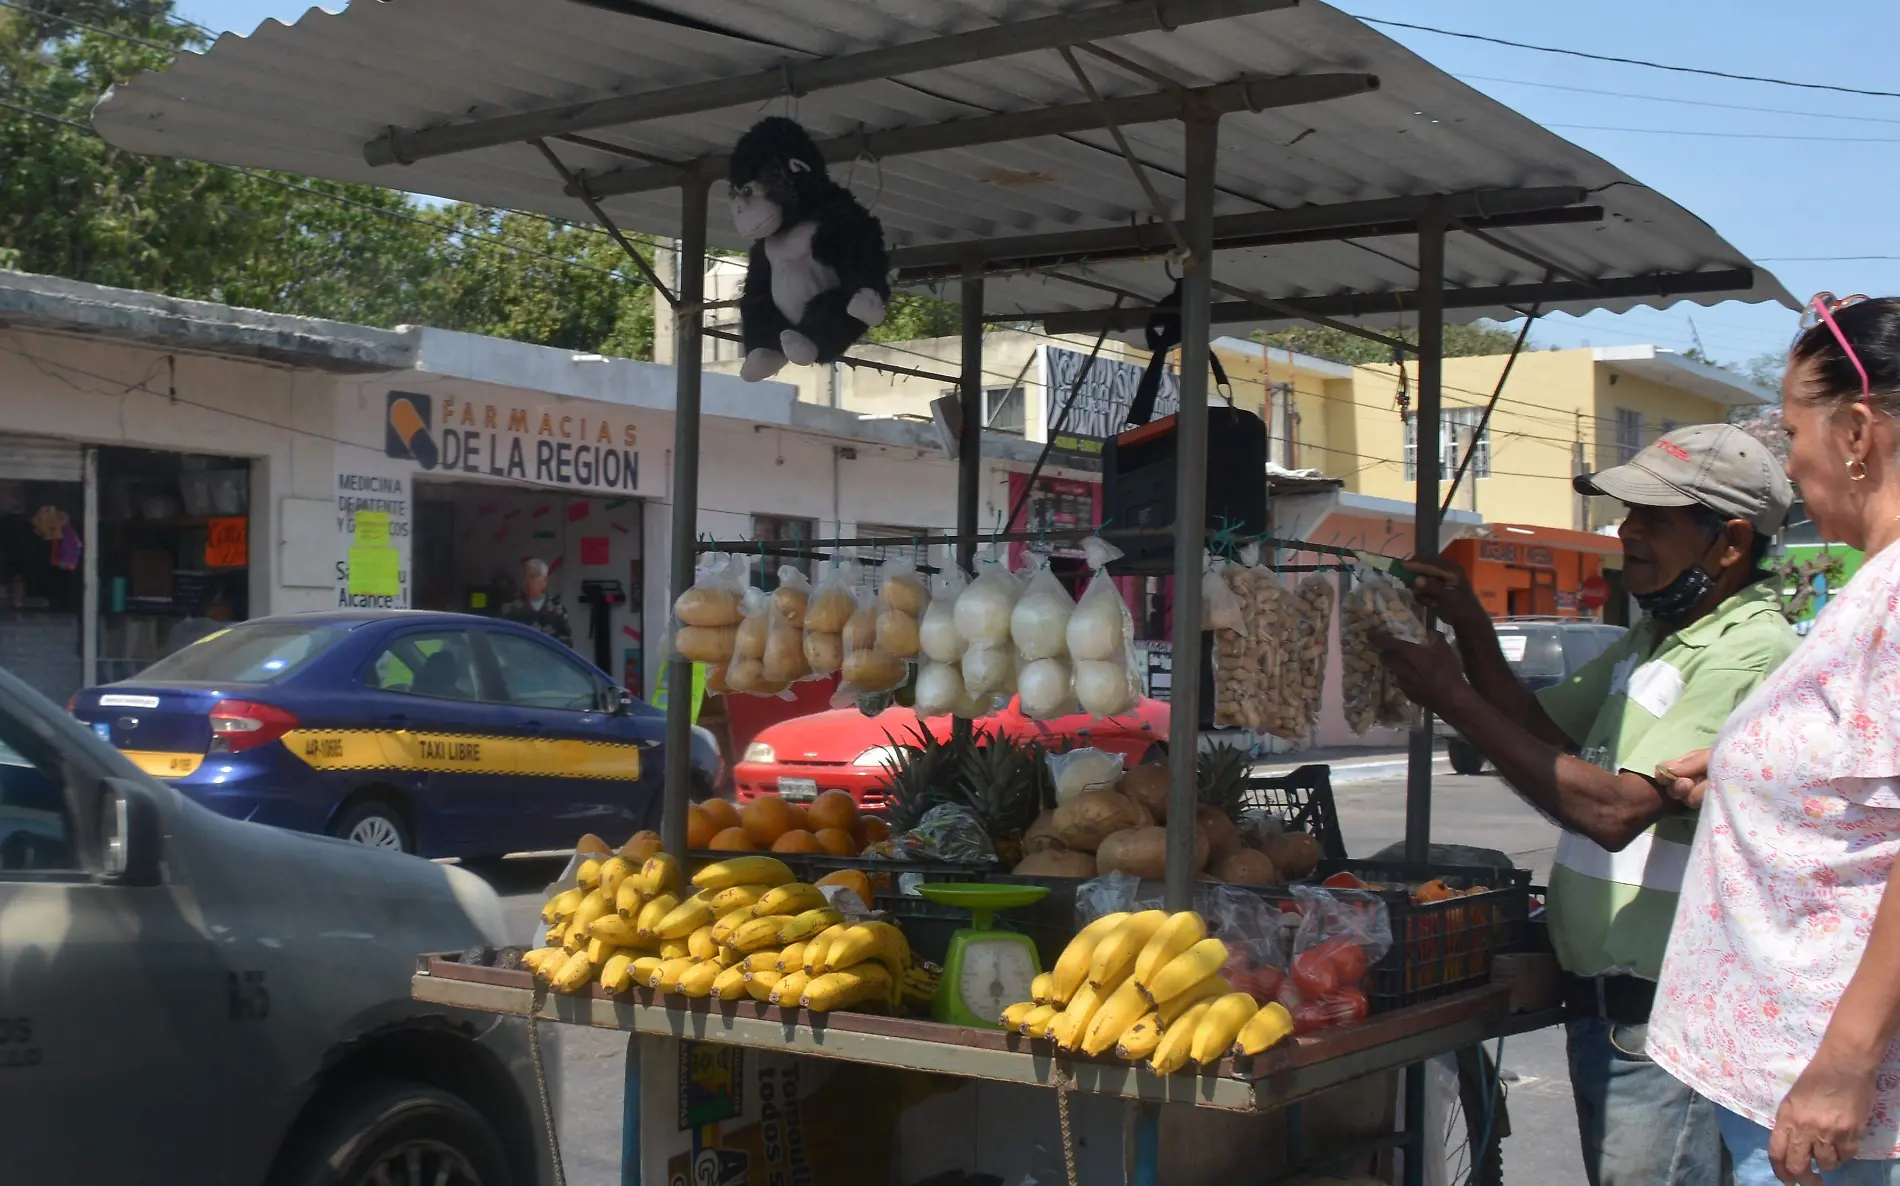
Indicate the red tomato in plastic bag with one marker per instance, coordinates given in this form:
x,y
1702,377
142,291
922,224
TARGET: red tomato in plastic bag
x,y
1343,881
1336,963
1344,1007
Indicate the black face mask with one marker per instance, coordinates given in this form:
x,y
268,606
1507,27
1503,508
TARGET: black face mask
x,y
1678,599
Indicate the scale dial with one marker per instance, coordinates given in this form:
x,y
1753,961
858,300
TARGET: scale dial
x,y
995,974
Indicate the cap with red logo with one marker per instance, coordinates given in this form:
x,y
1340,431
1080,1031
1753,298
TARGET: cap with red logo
x,y
1713,465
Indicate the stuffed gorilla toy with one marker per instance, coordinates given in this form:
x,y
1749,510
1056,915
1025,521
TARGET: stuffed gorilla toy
x,y
818,274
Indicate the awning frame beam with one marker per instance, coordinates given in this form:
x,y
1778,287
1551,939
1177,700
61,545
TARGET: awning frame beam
x,y
1261,94
399,146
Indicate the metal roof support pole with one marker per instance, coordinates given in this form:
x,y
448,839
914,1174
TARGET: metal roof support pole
x,y
1418,775
1425,423
970,427
686,363
1190,503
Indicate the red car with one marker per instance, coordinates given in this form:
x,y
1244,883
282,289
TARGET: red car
x,y
846,750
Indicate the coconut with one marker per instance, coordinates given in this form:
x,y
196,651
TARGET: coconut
x,y
1223,838
1055,862
1247,867
1086,820
1294,854
1143,852
1147,785
1042,833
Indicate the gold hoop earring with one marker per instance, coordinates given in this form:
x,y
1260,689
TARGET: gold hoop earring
x,y
1856,477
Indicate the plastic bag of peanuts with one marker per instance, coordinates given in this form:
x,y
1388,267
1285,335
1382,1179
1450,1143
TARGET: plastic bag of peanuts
x,y
1304,667
1375,602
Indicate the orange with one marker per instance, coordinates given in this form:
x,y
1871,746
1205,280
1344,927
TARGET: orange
x,y
797,840
801,817
875,829
642,845
854,879
834,809
721,812
700,828
732,840
836,841
767,818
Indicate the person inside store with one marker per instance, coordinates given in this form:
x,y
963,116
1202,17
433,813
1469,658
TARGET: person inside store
x,y
1703,504
1780,995
537,607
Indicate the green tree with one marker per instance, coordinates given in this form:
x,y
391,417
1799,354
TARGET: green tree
x,y
71,205
1461,341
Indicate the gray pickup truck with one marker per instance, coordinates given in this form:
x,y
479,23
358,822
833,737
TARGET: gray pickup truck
x,y
186,998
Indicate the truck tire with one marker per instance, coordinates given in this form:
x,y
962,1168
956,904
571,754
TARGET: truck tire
x,y
375,823
1465,757
398,1132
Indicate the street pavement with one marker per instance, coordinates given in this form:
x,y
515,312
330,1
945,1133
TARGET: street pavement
x,y
1476,810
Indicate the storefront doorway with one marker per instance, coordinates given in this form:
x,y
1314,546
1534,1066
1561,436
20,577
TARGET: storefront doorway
x,y
472,551
42,500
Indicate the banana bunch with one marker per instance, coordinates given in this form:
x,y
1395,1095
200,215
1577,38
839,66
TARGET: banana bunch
x,y
1147,986
748,929
614,916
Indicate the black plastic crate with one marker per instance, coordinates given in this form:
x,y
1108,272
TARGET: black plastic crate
x,y
1303,801
1439,948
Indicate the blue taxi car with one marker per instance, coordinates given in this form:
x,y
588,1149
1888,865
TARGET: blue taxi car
x,y
433,733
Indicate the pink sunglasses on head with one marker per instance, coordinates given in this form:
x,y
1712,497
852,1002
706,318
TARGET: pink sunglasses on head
x,y
1820,311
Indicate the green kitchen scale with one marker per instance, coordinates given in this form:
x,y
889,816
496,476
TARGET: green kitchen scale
x,y
986,970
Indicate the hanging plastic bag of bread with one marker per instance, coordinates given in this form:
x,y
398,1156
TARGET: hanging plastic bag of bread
x,y
1039,622
709,612
903,598
1101,638
784,653
937,630
745,671
1221,607
1315,596
827,612
982,617
866,671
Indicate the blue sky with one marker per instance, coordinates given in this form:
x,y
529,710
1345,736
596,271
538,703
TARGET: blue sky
x,y
1820,183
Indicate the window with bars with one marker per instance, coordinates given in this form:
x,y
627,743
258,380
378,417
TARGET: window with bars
x,y
781,529
1629,434
1452,426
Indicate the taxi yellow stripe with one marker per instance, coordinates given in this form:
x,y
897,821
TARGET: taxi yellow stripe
x,y
404,749
160,764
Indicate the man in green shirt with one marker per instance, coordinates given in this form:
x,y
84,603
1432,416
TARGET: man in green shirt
x,y
1703,503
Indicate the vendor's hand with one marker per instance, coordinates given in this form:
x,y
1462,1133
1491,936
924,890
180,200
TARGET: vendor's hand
x,y
1428,672
1442,587
1820,1120
1685,779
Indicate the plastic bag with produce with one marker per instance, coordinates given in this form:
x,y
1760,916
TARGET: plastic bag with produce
x,y
1250,926
903,599
1101,641
1110,893
784,651
746,671
948,832
867,670
709,612
937,629
1342,933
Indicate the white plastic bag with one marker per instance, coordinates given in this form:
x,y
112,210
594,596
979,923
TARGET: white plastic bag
x,y
784,652
1039,623
1101,637
867,671
826,613
1084,770
937,631
984,607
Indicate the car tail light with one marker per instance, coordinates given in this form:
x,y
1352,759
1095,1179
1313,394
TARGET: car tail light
x,y
245,724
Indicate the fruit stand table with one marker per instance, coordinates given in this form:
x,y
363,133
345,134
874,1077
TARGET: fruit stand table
x,y
1300,1069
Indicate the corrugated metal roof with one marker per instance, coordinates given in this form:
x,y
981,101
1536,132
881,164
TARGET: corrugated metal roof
x,y
306,97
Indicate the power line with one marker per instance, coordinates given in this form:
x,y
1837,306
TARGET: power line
x,y
1730,135
1820,259
1674,69
1584,90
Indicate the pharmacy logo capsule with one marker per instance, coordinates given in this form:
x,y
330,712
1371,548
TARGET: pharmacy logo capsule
x,y
406,432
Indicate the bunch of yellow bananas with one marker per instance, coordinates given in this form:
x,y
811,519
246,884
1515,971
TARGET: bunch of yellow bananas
x,y
1147,986
748,930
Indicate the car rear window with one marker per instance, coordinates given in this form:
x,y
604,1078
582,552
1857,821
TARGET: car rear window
x,y
251,652
1532,653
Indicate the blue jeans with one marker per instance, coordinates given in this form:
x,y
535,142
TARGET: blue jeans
x,y
1640,1126
1748,1144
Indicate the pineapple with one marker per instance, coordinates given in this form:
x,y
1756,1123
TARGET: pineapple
x,y
1000,783
920,777
1220,779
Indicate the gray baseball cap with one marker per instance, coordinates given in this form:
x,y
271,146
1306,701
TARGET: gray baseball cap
x,y
1713,465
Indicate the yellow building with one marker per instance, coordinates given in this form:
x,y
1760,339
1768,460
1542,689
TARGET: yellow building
x,y
1561,412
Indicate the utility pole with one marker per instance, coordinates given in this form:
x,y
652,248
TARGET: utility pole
x,y
1579,502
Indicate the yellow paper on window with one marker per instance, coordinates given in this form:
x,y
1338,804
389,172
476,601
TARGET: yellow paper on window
x,y
372,529
375,572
